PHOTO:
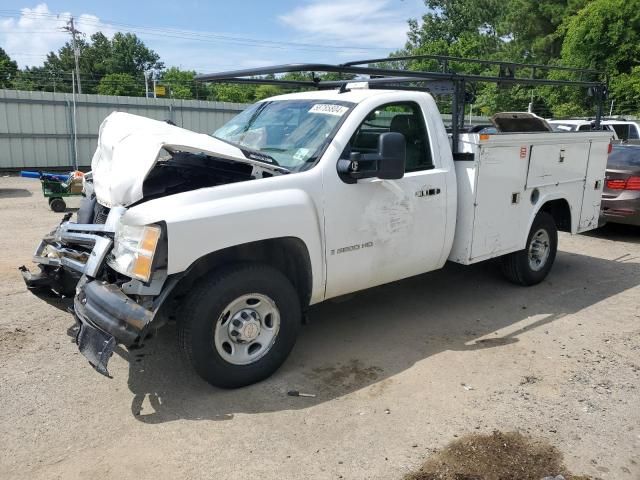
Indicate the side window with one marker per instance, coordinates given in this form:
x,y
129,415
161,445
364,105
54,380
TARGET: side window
x,y
405,118
584,128
622,131
633,132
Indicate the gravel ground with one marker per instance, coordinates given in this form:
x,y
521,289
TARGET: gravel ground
x,y
399,371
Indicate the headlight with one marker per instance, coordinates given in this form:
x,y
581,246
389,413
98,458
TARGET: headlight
x,y
133,250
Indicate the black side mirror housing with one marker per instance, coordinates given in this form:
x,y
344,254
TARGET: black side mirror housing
x,y
392,149
387,164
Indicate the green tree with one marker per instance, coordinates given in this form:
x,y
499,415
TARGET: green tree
x,y
625,92
100,56
24,80
59,65
604,35
121,84
266,91
535,27
530,31
461,28
130,55
230,92
8,69
180,83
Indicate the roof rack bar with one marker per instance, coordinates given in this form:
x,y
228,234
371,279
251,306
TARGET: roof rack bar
x,y
270,81
386,72
445,58
436,87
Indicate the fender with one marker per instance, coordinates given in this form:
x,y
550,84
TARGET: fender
x,y
199,224
569,194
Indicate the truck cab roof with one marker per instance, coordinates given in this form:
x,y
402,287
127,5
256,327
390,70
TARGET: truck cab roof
x,y
355,95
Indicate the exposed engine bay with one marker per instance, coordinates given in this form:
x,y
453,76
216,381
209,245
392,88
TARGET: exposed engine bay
x,y
179,172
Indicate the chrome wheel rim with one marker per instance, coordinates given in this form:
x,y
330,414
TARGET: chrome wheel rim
x,y
539,250
247,329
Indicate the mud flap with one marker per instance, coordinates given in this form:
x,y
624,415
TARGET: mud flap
x,y
96,345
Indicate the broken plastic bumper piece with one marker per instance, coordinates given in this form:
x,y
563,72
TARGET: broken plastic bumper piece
x,y
106,317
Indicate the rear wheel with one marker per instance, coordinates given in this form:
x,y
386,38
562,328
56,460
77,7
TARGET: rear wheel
x,y
531,265
239,324
57,204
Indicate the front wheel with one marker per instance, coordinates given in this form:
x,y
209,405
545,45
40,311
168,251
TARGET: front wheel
x,y
531,265
239,324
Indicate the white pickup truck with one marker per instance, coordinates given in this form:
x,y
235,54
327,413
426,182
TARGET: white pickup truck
x,y
301,198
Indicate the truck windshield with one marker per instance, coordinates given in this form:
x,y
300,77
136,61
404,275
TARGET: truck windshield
x,y
292,132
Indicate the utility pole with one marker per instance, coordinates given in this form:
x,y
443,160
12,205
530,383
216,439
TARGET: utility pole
x,y
155,95
70,27
146,84
74,125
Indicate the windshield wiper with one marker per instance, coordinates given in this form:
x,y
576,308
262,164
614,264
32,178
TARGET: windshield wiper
x,y
273,149
258,156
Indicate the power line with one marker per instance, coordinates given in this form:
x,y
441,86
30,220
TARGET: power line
x,y
209,37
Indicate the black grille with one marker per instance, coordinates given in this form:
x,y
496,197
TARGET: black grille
x,y
101,214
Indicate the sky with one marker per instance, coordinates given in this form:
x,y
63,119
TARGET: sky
x,y
217,35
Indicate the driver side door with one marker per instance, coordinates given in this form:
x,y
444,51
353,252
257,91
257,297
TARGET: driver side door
x,y
378,231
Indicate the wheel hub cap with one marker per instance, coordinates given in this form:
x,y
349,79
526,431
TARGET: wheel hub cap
x,y
539,250
247,329
245,326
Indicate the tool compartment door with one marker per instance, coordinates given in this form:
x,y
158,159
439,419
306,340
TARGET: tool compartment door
x,y
498,222
596,167
552,164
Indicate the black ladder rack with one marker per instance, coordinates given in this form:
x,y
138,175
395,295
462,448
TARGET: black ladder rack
x,y
444,81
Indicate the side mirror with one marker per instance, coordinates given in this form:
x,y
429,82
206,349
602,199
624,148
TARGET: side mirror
x,y
387,164
392,149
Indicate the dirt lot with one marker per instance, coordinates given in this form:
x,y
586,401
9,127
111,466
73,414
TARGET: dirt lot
x,y
399,372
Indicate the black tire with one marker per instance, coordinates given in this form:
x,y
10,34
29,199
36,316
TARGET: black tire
x,y
204,307
57,205
517,266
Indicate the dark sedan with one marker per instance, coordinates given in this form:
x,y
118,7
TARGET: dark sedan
x,y
621,196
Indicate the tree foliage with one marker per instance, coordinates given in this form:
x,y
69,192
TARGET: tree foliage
x,y
8,69
120,84
100,56
180,83
604,35
596,34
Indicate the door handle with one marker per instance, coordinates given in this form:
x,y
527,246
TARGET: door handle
x,y
428,192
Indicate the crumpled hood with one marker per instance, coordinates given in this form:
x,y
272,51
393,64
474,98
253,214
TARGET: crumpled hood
x,y
128,148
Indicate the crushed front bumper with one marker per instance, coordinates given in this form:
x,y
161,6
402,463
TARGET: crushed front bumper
x,y
106,317
70,251
71,261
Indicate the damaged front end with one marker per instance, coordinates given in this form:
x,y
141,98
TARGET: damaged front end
x,y
109,308
112,265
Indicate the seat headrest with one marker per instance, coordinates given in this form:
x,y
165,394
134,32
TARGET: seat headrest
x,y
404,124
